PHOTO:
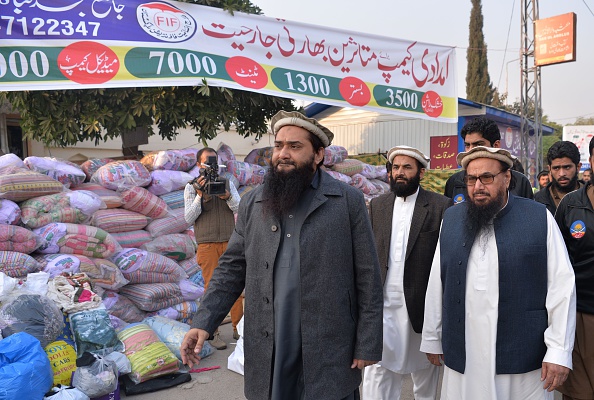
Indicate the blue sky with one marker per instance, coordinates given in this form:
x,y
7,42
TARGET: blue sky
x,y
567,89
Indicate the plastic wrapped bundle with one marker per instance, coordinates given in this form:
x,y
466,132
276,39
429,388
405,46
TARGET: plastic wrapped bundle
x,y
76,239
381,186
65,172
111,198
190,290
153,296
174,223
122,307
91,166
10,212
132,239
176,246
144,202
140,266
334,154
175,160
174,199
183,312
190,265
55,264
74,207
98,377
93,331
164,181
363,184
172,333
197,278
34,314
103,273
348,167
11,160
117,220
16,238
261,157
340,176
18,184
122,175
225,154
17,265
247,174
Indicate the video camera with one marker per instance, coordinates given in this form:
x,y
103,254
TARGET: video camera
x,y
214,185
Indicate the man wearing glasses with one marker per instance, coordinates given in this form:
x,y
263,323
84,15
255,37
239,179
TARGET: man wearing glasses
x,y
482,131
500,306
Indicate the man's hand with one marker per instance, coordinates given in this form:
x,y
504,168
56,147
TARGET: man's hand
x,y
362,363
192,346
553,375
435,359
225,196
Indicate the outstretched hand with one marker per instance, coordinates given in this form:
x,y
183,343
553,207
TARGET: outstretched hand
x,y
192,346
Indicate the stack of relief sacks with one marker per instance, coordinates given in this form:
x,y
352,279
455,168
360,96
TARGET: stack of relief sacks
x,y
106,247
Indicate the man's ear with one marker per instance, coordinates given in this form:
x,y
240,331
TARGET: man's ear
x,y
319,156
496,144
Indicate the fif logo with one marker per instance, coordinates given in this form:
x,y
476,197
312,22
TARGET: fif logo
x,y
165,22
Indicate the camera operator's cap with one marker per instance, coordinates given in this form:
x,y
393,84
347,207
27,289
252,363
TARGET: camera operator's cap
x,y
485,152
295,118
408,151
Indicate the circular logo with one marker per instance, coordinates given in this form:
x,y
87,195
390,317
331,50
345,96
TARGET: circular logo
x,y
459,198
354,91
88,63
432,104
246,72
165,22
578,229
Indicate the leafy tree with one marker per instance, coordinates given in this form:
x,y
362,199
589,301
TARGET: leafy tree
x,y
66,117
584,121
478,83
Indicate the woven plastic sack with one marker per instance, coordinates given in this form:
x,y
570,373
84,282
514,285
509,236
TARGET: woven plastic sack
x,y
77,239
91,166
174,199
122,307
247,174
55,264
182,312
103,273
334,154
18,184
122,175
175,160
261,156
65,172
118,220
348,167
381,186
140,266
225,154
25,371
75,207
10,212
176,246
16,265
153,296
190,290
172,333
164,181
148,355
16,238
111,198
97,379
371,172
93,331
363,184
174,223
32,313
132,239
339,176
190,265
144,202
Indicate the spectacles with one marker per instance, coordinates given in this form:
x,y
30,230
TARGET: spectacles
x,y
485,178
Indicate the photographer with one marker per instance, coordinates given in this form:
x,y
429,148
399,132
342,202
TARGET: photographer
x,y
213,219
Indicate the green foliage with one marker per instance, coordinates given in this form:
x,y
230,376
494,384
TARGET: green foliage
x,y
66,117
478,83
584,121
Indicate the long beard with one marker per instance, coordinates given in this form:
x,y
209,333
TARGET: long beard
x,y
480,216
405,189
282,190
566,189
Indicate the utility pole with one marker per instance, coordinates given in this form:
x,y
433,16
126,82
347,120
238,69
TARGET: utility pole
x,y
531,124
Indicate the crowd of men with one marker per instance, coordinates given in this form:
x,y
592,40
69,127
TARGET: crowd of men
x,y
342,303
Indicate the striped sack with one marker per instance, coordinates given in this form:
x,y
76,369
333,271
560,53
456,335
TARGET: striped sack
x,y
140,266
17,265
132,239
153,296
174,223
144,202
176,246
118,220
18,184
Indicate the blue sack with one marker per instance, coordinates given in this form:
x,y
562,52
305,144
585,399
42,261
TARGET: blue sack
x,y
25,370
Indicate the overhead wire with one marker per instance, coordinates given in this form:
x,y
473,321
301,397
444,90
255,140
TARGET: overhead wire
x,y
506,42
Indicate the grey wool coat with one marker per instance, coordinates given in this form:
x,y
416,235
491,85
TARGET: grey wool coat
x,y
422,241
341,293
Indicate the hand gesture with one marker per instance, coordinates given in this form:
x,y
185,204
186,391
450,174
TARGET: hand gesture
x,y
192,346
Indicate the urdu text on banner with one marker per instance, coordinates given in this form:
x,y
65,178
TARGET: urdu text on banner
x,y
83,44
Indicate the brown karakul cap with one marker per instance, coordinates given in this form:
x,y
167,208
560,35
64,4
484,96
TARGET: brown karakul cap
x,y
295,118
408,151
485,152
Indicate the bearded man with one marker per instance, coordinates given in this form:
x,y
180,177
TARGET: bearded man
x,y
304,250
500,306
406,225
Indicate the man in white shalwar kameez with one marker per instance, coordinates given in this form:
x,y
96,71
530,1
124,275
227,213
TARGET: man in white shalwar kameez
x,y
499,289
406,225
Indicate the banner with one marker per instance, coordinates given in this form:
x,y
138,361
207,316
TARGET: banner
x,y
81,44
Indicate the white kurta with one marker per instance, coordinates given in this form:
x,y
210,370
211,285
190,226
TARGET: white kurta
x,y
482,295
401,343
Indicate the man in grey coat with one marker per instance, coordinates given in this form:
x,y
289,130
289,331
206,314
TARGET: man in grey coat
x,y
304,250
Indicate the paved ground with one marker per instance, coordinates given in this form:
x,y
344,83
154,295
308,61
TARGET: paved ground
x,y
223,384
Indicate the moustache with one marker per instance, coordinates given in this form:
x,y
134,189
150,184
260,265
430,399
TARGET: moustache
x,y
481,193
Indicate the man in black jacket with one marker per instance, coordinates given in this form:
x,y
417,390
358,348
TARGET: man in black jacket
x,y
564,164
575,216
482,131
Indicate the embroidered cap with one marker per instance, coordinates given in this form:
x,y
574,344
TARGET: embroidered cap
x,y
485,152
295,118
408,151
